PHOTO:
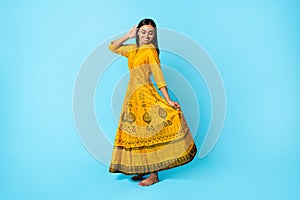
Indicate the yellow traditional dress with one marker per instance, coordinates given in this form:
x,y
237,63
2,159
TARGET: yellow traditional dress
x,y
151,135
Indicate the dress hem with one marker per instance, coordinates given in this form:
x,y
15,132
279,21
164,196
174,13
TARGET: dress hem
x,y
129,170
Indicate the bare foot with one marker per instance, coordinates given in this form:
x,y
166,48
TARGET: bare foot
x,y
153,178
139,177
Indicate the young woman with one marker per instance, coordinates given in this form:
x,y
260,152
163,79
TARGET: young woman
x,y
152,133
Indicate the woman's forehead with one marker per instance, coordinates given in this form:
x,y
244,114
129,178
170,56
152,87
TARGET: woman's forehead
x,y
147,27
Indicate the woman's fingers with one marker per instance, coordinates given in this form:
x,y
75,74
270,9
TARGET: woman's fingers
x,y
133,28
132,31
175,105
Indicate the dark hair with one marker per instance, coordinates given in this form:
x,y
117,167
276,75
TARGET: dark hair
x,y
147,22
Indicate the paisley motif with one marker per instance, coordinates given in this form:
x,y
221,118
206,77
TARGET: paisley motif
x,y
162,112
147,117
129,117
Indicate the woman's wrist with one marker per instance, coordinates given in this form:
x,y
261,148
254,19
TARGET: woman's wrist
x,y
168,100
126,37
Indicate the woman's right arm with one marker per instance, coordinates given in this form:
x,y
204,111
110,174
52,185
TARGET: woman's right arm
x,y
119,42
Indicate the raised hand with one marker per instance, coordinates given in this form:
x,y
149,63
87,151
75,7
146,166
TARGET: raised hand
x,y
132,32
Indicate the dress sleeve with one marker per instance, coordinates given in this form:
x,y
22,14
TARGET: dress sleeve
x,y
122,50
155,67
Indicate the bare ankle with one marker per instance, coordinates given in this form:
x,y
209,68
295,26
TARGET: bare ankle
x,y
153,178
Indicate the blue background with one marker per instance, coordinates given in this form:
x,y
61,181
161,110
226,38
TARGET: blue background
x,y
255,45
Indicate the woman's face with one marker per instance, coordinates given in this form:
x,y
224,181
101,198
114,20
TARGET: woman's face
x,y
146,34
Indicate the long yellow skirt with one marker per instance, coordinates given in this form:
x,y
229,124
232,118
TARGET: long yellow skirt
x,y
151,135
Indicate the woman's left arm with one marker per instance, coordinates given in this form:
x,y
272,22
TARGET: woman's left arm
x,y
164,91
159,77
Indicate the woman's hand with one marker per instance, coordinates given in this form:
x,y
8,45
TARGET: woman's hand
x,y
132,32
174,104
